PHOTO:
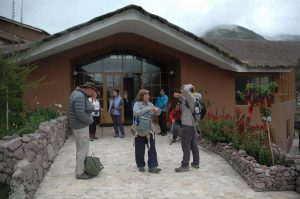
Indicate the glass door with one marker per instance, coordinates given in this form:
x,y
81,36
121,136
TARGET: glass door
x,y
111,81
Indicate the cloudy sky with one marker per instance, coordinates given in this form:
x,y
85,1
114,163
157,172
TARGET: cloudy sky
x,y
266,17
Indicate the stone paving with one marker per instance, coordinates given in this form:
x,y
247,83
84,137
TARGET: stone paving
x,y
120,179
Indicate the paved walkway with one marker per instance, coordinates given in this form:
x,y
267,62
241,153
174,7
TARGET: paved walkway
x,y
295,150
120,178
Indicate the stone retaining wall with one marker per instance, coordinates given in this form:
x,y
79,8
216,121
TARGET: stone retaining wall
x,y
24,161
259,177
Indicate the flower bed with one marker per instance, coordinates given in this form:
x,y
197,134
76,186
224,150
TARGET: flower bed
x,y
259,177
246,148
237,128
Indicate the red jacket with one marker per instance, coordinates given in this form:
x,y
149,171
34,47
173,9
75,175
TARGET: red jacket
x,y
176,115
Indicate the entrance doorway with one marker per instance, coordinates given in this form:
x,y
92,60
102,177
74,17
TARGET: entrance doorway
x,y
132,84
125,71
110,81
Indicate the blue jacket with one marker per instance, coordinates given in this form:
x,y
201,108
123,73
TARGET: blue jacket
x,y
117,101
162,102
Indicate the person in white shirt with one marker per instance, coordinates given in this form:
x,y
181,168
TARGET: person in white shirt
x,y
96,117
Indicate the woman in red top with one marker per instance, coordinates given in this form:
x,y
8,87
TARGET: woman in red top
x,y
175,120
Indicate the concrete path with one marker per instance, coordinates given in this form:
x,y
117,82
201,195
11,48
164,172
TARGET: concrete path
x,y
120,178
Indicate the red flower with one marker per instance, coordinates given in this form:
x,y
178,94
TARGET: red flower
x,y
262,126
238,111
227,116
253,127
249,118
250,109
269,104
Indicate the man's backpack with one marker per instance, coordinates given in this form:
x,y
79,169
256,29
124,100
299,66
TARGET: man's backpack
x,y
199,110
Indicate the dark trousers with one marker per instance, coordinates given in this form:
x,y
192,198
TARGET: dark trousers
x,y
176,130
92,127
188,144
117,120
162,121
140,145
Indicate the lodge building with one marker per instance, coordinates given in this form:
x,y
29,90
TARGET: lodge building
x,y
131,48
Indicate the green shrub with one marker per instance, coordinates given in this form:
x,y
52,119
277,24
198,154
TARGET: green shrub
x,y
238,130
236,140
265,156
27,123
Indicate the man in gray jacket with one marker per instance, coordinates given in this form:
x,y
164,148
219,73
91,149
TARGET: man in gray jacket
x,y
188,98
80,118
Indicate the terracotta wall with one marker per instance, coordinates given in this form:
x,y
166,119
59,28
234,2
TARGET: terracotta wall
x,y
286,112
56,86
217,85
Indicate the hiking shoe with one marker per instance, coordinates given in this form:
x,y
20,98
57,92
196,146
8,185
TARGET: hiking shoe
x,y
95,137
182,169
84,176
122,136
91,139
163,134
154,170
141,169
196,166
116,136
174,140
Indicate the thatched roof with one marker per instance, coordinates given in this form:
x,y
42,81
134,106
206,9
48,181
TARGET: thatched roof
x,y
260,53
248,53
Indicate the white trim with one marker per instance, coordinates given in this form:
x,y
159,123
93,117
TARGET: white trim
x,y
133,21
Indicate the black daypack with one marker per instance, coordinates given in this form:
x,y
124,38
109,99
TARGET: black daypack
x,y
199,110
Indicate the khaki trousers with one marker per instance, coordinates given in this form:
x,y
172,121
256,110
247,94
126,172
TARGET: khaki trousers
x,y
82,137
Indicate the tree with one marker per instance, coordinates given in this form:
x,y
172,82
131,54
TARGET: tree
x,y
13,86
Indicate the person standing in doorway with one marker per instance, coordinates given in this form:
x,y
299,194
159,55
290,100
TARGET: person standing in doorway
x,y
115,107
96,116
161,103
189,143
80,110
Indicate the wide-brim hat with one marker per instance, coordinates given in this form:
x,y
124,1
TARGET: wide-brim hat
x,y
90,85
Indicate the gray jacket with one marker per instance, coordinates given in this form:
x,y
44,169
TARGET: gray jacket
x,y
140,109
190,98
80,110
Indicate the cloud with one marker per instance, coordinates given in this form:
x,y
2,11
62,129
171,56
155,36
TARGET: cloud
x,y
268,17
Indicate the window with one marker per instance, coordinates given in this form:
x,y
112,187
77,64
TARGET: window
x,y
287,87
242,81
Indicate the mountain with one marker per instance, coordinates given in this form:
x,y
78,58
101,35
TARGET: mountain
x,y
232,31
285,37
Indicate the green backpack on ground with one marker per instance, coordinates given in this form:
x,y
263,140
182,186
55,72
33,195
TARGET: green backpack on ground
x,y
93,165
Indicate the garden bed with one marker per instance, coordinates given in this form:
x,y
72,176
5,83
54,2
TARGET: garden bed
x,y
259,177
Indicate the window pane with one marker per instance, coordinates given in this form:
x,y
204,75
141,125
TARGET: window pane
x,y
146,79
240,85
111,63
254,80
266,80
150,67
155,78
132,64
